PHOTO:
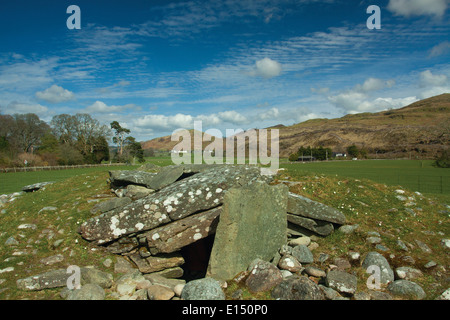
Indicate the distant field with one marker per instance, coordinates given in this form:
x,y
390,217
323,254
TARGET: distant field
x,y
14,181
416,175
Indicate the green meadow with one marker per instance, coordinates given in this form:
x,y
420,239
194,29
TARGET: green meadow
x,y
14,181
340,184
415,175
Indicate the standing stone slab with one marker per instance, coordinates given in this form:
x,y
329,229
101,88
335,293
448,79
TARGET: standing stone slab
x,y
196,193
252,225
172,237
308,208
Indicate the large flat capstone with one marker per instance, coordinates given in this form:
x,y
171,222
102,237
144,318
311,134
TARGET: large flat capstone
x,y
196,193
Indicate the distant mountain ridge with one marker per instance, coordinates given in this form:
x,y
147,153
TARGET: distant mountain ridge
x,y
421,129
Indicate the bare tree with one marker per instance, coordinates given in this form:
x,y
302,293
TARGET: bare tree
x,y
88,130
64,128
28,130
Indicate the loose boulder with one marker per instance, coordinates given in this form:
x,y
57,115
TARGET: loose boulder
x,y
376,259
341,281
263,276
203,289
406,289
297,288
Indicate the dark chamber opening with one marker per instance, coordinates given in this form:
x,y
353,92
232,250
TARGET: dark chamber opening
x,y
196,257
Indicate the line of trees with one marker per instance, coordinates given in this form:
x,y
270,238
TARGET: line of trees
x,y
26,140
319,153
322,153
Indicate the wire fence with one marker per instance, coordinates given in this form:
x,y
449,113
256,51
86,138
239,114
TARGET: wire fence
x,y
50,168
16,178
437,184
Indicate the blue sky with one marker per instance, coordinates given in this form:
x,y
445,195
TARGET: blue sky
x,y
157,66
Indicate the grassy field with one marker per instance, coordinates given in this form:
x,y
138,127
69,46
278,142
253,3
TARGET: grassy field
x,y
373,206
416,175
14,181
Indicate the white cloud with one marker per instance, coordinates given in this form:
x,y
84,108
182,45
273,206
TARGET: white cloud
x,y
374,84
185,121
165,123
55,94
101,107
409,8
350,101
433,84
271,114
267,68
354,102
19,107
428,79
359,98
232,117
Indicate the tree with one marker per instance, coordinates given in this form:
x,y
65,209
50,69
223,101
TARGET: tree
x,y
28,131
150,152
49,143
7,141
443,161
353,151
88,130
100,150
84,133
119,136
64,128
293,157
134,149
69,155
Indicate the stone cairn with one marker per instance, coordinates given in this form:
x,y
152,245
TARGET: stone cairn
x,y
189,230
159,214
211,224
